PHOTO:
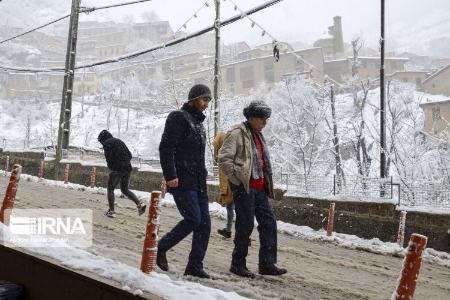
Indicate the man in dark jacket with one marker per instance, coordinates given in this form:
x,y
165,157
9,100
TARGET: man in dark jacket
x,y
182,157
118,159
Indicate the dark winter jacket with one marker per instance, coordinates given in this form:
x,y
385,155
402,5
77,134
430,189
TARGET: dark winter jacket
x,y
182,148
117,155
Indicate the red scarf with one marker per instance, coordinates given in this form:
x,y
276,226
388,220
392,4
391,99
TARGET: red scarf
x,y
258,184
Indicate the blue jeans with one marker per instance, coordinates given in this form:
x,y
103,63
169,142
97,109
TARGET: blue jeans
x,y
248,206
194,207
230,216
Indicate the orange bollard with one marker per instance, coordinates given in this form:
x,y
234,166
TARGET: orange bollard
x,y
411,266
93,177
41,169
401,229
330,220
66,174
11,190
151,235
163,188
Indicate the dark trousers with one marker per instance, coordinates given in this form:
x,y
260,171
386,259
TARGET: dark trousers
x,y
248,206
124,178
194,207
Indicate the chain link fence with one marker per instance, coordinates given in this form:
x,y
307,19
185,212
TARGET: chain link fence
x,y
351,187
426,194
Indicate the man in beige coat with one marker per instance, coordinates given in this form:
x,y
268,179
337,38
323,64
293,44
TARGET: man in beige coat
x,y
245,161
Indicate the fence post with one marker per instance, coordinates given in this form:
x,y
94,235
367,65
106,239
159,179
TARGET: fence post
x,y
93,177
163,188
411,265
392,191
151,235
11,190
401,229
7,165
41,169
330,219
334,184
66,174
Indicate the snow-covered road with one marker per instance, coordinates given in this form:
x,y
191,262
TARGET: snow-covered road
x,y
317,270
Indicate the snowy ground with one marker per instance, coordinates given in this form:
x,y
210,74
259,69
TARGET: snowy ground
x,y
341,267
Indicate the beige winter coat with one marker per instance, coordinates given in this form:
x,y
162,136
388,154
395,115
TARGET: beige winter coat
x,y
236,157
226,196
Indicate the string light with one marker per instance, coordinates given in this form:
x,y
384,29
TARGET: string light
x,y
195,15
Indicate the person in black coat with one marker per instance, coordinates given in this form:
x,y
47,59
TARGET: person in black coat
x,y
118,158
182,157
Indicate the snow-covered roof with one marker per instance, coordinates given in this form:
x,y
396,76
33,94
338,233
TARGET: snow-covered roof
x,y
434,75
377,58
433,102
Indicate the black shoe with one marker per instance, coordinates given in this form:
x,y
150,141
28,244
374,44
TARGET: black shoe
x,y
242,271
271,270
225,233
161,260
141,208
200,273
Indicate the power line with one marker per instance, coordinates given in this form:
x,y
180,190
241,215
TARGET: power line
x,y
91,9
84,10
34,29
158,47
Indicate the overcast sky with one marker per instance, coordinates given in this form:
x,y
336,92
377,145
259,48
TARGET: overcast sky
x,y
297,20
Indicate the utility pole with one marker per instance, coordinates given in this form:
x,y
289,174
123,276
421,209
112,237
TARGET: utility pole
x,y
382,100
66,102
216,70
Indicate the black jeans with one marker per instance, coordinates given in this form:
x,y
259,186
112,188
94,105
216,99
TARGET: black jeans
x,y
248,206
124,178
194,207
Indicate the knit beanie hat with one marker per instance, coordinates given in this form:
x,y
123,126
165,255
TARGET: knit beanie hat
x,y
257,109
199,91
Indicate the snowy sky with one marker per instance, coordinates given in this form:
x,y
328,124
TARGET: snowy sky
x,y
408,21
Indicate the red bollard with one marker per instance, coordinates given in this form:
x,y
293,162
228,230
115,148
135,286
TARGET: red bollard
x,y
411,266
401,229
330,220
11,190
41,169
151,235
163,188
66,174
93,177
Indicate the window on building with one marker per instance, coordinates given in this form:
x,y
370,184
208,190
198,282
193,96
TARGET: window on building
x,y
247,76
269,71
436,113
231,75
232,90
